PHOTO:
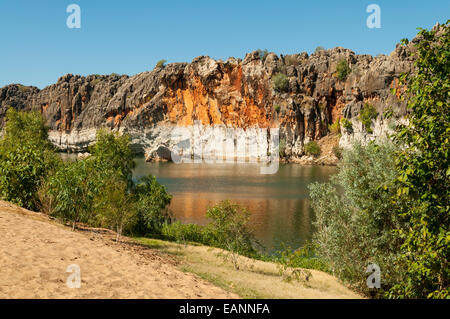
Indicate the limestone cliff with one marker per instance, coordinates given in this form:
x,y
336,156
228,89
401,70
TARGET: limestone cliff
x,y
227,95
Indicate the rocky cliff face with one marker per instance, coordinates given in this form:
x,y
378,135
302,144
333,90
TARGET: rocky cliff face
x,y
225,98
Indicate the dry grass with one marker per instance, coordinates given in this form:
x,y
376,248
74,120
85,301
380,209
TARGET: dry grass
x,y
254,279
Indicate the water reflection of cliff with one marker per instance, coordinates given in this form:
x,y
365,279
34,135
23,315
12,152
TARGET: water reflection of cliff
x,y
279,203
273,220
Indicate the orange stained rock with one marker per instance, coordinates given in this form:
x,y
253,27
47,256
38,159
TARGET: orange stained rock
x,y
197,103
117,119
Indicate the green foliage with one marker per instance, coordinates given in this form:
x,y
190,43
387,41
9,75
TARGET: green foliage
x,y
161,64
277,108
280,82
113,155
152,206
98,190
354,216
282,148
342,69
26,157
185,232
305,257
229,228
335,128
319,48
115,206
367,114
423,165
23,88
72,189
404,41
347,124
312,148
263,54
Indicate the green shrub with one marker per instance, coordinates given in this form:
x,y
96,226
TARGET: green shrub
x,y
280,82
277,108
304,257
72,189
184,232
23,88
312,148
113,155
160,64
335,128
367,114
229,228
115,206
152,206
355,219
346,124
263,54
342,69
26,158
318,49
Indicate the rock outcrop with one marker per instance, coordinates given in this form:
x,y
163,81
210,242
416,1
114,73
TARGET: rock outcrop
x,y
226,98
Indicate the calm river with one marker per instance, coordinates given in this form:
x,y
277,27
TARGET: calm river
x,y
279,203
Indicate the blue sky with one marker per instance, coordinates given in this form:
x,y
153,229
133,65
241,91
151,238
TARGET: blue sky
x,y
36,47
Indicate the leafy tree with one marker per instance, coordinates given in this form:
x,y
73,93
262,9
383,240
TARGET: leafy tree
x,y
72,189
113,155
354,216
26,158
343,69
115,206
424,171
280,82
152,206
230,230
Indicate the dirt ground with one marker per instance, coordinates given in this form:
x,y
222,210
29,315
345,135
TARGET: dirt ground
x,y
35,254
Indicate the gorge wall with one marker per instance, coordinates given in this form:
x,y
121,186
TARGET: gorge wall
x,y
228,98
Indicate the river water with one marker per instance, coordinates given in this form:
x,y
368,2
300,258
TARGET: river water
x,y
279,203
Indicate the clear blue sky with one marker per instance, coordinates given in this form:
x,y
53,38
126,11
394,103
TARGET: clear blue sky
x,y
36,47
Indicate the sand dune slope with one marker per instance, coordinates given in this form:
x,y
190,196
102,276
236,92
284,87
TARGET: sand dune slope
x,y
35,254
